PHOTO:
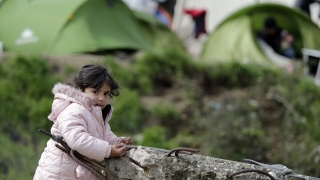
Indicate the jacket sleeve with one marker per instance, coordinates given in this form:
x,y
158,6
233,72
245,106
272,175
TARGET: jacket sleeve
x,y
111,137
74,130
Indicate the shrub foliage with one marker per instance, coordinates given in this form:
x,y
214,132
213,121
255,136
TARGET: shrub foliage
x,y
232,111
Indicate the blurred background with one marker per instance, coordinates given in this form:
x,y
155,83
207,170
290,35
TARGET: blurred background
x,y
208,74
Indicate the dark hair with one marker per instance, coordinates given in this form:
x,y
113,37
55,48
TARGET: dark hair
x,y
95,76
270,22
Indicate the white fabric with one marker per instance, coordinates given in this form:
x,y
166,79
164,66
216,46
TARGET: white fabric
x,y
147,6
277,59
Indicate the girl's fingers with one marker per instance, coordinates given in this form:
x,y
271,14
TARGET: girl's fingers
x,y
119,145
123,151
128,140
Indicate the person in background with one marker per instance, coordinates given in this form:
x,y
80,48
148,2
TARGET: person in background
x,y
287,48
304,5
81,114
281,41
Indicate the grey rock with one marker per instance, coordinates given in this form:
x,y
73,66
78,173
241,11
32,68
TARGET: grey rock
x,y
144,163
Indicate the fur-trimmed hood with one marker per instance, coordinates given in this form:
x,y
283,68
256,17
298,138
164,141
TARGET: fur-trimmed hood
x,y
73,94
64,95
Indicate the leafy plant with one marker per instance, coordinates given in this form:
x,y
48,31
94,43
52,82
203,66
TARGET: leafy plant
x,y
127,116
121,72
26,102
166,66
154,137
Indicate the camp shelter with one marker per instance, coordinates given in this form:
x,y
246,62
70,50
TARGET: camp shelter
x,y
235,38
159,34
69,26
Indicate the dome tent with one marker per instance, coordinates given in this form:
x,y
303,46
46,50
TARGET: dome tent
x,y
67,27
235,38
160,35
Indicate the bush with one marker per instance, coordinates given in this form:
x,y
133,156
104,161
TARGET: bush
x,y
154,137
26,102
265,131
236,133
122,73
31,76
234,74
127,116
18,159
166,66
168,116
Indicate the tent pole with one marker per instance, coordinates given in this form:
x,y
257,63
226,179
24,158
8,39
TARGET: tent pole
x,y
177,18
317,77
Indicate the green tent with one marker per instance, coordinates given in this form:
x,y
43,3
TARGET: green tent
x,y
236,37
160,35
69,26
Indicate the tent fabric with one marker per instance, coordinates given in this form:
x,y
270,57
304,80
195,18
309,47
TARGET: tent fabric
x,y
65,27
160,35
235,38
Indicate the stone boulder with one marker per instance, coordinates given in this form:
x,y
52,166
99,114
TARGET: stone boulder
x,y
145,163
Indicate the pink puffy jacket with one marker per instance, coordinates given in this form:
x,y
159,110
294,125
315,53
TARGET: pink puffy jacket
x,y
82,126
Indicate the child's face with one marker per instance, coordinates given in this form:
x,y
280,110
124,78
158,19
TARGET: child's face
x,y
100,96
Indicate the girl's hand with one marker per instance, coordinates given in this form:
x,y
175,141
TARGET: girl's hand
x,y
127,141
118,150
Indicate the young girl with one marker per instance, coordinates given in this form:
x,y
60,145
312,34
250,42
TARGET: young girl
x,y
80,113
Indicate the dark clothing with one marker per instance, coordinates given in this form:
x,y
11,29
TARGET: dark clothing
x,y
278,39
289,53
304,5
274,41
198,16
169,6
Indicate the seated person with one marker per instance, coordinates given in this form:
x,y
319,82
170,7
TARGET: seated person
x,y
279,40
287,45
